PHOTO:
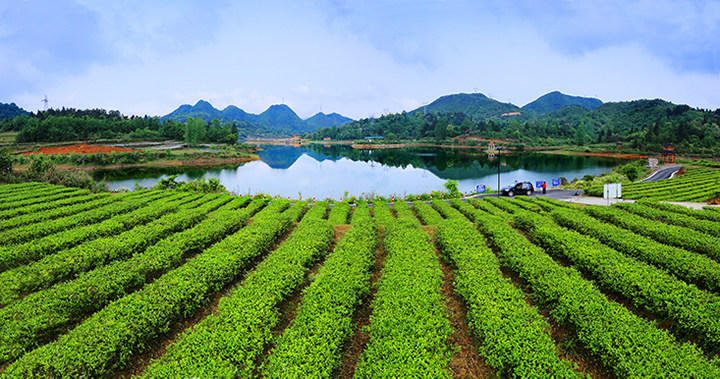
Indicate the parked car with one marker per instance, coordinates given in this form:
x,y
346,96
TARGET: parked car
x,y
521,188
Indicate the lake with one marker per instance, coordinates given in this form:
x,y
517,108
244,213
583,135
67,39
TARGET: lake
x,y
317,171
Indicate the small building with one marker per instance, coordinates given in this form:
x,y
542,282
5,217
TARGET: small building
x,y
668,153
618,144
326,139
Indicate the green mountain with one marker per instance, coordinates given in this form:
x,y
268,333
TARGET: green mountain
x,y
277,120
234,113
631,116
555,100
475,105
569,111
322,120
201,109
10,111
281,116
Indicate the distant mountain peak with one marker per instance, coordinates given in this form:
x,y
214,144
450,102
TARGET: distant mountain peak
x,y
476,105
322,120
279,118
555,100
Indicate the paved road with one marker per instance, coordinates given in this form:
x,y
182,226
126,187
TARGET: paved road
x,y
558,194
663,173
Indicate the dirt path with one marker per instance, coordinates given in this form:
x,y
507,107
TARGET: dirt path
x,y
361,318
466,362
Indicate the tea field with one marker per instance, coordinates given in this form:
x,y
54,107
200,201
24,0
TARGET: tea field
x,y
695,184
173,284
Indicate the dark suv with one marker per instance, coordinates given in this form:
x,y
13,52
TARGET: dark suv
x,y
521,188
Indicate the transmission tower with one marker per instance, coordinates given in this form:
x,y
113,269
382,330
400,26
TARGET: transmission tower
x,y
45,101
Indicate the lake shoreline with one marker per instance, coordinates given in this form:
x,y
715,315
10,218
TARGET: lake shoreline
x,y
196,162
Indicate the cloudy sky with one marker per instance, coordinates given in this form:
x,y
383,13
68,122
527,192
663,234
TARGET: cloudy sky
x,y
354,57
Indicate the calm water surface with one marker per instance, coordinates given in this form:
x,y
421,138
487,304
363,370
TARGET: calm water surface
x,y
337,171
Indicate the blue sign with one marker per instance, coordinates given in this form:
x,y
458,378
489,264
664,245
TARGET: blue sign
x,y
556,182
538,184
480,189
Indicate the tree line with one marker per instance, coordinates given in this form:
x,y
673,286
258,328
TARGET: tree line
x,y
645,125
88,125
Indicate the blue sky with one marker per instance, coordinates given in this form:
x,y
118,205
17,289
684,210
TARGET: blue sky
x,y
354,57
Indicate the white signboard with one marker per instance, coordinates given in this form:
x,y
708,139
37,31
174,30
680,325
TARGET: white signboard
x,y
612,191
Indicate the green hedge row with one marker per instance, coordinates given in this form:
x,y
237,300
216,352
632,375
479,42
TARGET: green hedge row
x,y
528,204
106,341
231,340
691,267
38,226
12,218
484,205
382,213
311,347
447,210
427,214
708,227
27,190
12,208
681,237
9,190
409,326
68,263
549,203
404,212
697,184
318,211
503,204
18,255
686,183
276,206
627,344
464,207
695,313
339,213
25,324
361,213
513,337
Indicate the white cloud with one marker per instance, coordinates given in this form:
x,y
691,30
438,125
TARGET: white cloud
x,y
359,58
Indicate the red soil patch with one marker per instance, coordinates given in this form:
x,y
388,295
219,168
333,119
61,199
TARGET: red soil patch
x,y
81,148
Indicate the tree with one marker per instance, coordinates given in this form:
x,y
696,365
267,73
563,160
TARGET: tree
x,y
441,129
391,136
466,126
5,163
194,131
451,186
580,135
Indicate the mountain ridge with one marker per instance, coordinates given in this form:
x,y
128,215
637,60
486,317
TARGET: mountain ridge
x,y
278,117
555,100
475,105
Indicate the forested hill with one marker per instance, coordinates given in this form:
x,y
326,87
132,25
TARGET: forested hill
x,y
10,111
226,126
640,124
279,117
555,100
475,105
322,120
